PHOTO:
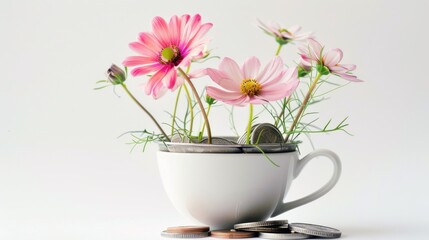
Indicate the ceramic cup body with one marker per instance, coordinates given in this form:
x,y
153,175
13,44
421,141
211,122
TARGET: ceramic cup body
x,y
220,190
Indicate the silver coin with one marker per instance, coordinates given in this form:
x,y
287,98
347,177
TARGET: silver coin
x,y
274,223
177,138
284,236
184,235
199,148
219,141
270,148
277,229
242,139
315,230
266,133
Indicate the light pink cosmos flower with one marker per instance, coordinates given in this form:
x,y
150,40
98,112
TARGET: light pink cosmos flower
x,y
249,84
170,45
283,35
313,55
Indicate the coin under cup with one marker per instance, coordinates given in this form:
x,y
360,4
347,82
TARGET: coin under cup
x,y
284,236
232,234
315,230
188,229
279,229
273,223
184,235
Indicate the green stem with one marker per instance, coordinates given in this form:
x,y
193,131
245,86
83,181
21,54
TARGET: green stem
x,y
191,109
303,106
173,122
208,112
286,100
197,97
146,111
249,124
283,109
279,49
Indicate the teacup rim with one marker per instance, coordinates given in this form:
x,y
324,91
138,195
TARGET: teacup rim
x,y
179,147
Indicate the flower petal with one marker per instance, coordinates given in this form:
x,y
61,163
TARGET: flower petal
x,y
198,39
291,75
194,26
198,73
169,80
257,100
303,36
231,69
251,68
342,68
332,57
151,42
136,60
174,27
138,71
153,81
223,80
272,69
233,98
348,77
277,91
179,82
315,49
160,30
159,90
349,67
190,28
143,50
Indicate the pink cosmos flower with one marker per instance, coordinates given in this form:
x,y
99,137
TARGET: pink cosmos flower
x,y
249,84
313,55
283,35
170,45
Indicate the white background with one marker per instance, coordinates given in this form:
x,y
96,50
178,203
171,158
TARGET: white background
x,y
64,174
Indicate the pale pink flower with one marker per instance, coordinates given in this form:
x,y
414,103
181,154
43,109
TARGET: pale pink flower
x,y
249,84
314,56
170,45
284,35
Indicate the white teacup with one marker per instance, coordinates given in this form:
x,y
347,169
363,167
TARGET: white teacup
x,y
222,189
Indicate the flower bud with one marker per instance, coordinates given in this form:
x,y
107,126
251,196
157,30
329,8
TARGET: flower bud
x,y
116,75
202,55
210,100
282,40
303,70
322,69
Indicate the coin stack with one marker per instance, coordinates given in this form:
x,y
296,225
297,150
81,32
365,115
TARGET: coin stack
x,y
281,229
276,229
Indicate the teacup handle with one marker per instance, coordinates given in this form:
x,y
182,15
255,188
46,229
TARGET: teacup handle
x,y
283,207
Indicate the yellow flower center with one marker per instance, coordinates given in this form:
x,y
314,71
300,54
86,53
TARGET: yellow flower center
x,y
250,87
170,55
